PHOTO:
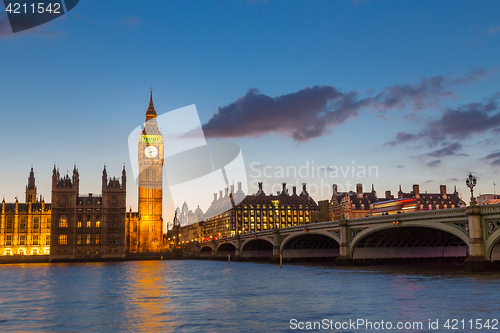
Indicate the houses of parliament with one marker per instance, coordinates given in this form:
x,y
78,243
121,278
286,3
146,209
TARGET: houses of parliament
x,y
82,227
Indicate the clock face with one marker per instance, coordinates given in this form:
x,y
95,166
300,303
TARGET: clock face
x,y
151,152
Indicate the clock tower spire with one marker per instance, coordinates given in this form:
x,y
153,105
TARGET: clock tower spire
x,y
150,159
151,112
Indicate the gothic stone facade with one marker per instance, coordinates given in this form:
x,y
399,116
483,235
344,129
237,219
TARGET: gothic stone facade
x,y
87,227
25,227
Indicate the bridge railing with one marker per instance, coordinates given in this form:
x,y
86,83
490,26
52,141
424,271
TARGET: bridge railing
x,y
459,213
490,209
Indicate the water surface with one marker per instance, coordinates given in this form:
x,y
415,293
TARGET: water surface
x,y
207,296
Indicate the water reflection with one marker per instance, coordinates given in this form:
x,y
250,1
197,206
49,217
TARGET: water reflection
x,y
204,296
147,297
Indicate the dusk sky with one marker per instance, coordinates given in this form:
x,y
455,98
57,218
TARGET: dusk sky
x,y
409,87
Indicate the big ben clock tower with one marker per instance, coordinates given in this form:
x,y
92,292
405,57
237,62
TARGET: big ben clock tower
x,y
150,150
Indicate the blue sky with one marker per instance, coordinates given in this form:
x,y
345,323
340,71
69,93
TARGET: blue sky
x,y
73,89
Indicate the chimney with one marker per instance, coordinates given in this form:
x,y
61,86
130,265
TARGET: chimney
x,y
239,186
226,190
260,189
232,188
416,191
388,194
284,188
220,194
359,189
335,189
215,196
294,190
304,190
442,190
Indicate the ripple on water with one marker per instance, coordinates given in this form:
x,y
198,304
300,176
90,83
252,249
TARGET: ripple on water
x,y
205,296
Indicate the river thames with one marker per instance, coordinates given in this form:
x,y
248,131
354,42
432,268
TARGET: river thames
x,y
208,296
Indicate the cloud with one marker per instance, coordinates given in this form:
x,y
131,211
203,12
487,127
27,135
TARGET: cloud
x,y
451,149
462,122
312,112
493,158
471,76
400,166
305,114
459,123
402,137
327,168
452,179
132,21
420,96
492,155
494,30
428,181
433,163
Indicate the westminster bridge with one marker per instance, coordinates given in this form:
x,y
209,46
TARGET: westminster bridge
x,y
472,232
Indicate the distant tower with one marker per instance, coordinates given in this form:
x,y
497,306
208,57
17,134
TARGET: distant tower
x,y
199,214
31,188
150,153
176,228
184,218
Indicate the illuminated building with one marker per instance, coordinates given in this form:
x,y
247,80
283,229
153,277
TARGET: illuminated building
x,y
488,199
25,228
433,201
145,228
356,204
258,212
361,204
87,227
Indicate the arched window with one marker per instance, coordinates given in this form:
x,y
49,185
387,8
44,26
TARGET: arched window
x,y
63,221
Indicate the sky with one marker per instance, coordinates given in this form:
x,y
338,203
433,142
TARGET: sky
x,y
407,89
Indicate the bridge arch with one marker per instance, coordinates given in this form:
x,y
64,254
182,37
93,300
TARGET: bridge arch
x,y
417,239
317,243
492,246
311,245
205,251
256,248
223,249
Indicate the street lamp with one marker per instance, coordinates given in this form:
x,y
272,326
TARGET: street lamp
x,y
471,182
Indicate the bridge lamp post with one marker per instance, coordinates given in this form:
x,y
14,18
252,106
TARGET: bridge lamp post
x,y
471,182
